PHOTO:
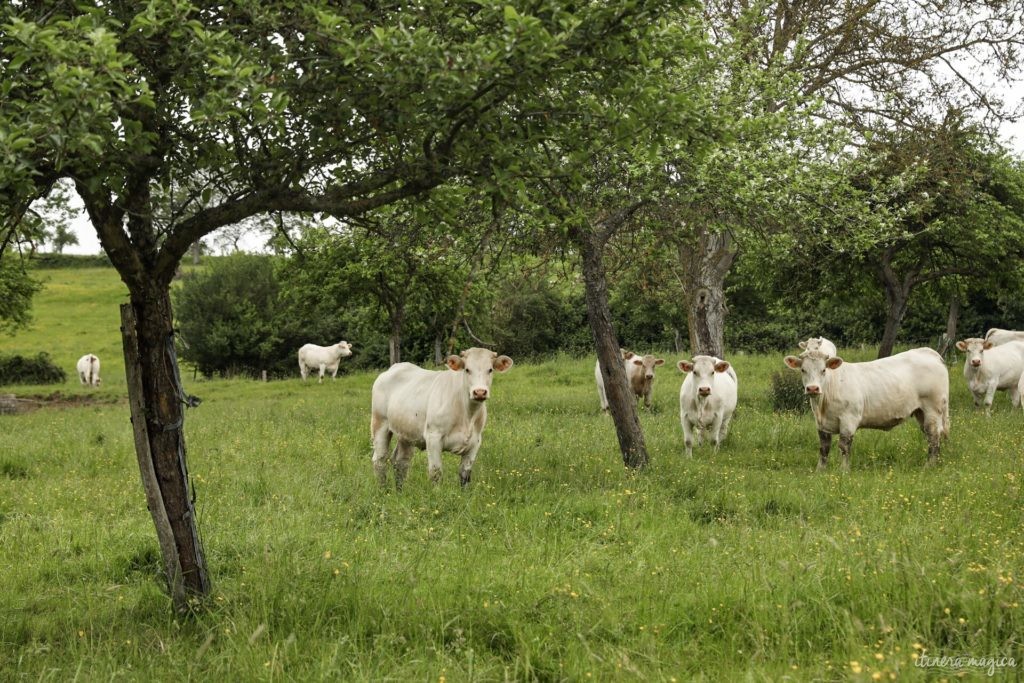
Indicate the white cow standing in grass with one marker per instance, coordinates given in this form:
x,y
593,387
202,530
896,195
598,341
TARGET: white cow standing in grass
x,y
639,376
434,411
89,370
998,337
707,399
819,344
878,394
989,368
313,357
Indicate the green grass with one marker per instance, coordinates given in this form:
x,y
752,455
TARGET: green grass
x,y
557,564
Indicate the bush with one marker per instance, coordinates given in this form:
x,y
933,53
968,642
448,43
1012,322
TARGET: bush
x,y
24,370
786,392
71,261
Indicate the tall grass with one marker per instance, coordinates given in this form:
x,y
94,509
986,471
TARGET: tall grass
x,y
556,564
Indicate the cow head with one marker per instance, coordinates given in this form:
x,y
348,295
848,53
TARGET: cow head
x,y
812,366
812,344
626,354
345,348
647,364
478,366
974,348
703,369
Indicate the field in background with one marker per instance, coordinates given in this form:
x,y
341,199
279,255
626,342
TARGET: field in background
x,y
555,565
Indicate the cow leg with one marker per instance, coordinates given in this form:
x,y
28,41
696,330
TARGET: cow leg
x,y
824,446
303,371
647,399
381,435
931,426
81,378
334,372
322,368
434,441
990,394
1014,397
466,467
602,397
724,430
716,431
687,435
401,459
845,443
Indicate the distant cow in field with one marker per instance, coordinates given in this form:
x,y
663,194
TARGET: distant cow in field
x,y
997,337
707,399
434,411
639,376
819,344
989,368
89,370
313,357
878,394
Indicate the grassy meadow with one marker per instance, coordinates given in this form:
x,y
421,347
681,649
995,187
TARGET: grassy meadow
x,y
556,564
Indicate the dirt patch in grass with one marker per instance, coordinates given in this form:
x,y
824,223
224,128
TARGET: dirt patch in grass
x,y
12,405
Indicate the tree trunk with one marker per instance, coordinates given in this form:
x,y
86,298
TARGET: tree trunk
x,y
438,348
395,338
952,321
896,300
621,403
197,248
706,259
157,406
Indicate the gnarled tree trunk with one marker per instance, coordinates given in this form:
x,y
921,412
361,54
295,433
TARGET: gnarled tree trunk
x,y
705,260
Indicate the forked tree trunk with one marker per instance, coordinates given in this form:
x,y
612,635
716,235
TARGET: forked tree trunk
x,y
157,408
621,404
705,260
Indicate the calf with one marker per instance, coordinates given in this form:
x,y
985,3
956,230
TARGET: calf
x,y
433,411
998,337
879,394
323,358
707,399
819,344
89,370
989,368
639,375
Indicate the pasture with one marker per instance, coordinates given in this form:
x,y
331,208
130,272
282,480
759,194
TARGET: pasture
x,y
556,564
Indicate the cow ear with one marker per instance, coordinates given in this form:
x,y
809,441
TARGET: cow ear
x,y
456,363
962,345
626,355
462,353
833,362
793,362
684,365
637,361
721,366
502,363
802,345
987,345
660,361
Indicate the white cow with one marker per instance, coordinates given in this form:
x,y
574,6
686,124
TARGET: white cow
x,y
707,399
819,344
434,411
989,368
89,370
313,357
997,337
878,394
639,376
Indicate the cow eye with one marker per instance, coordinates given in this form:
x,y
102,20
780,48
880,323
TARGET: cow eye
x,y
490,370
467,369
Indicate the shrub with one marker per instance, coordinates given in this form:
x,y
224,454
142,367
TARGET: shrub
x,y
786,392
25,370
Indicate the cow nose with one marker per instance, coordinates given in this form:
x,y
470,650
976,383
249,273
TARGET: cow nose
x,y
650,376
704,391
976,363
813,389
479,394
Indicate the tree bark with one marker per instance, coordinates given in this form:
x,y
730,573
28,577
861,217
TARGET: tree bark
x,y
706,259
395,338
157,405
897,298
196,249
621,403
952,321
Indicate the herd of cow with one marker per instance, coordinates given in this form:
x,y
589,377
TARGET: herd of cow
x,y
446,410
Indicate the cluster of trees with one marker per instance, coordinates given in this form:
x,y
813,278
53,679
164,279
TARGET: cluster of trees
x,y
636,142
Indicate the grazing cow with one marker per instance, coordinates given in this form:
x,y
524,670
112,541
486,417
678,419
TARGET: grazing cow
x,y
989,368
434,411
707,399
878,394
313,357
819,344
639,376
89,370
997,337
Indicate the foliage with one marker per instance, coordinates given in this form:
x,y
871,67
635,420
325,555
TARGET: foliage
x,y
230,318
51,260
39,369
17,288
